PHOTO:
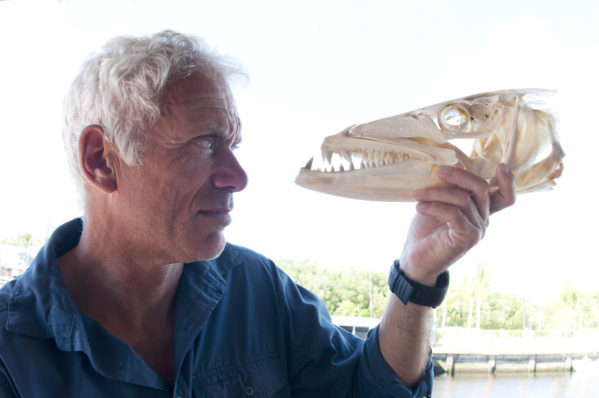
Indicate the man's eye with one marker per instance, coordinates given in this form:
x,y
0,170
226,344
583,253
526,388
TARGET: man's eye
x,y
205,143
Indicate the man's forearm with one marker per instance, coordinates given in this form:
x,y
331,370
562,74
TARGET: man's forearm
x,y
404,339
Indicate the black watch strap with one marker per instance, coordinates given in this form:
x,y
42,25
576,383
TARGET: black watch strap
x,y
408,290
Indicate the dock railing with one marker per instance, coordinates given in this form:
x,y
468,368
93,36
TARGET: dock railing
x,y
463,350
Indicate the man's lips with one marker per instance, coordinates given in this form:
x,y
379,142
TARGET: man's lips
x,y
216,211
219,215
214,208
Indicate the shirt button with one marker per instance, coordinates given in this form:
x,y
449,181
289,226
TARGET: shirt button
x,y
249,391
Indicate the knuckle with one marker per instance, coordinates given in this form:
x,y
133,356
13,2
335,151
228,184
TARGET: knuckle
x,y
477,237
485,189
482,188
472,241
482,233
458,214
464,198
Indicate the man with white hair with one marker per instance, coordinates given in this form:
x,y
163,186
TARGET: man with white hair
x,y
143,297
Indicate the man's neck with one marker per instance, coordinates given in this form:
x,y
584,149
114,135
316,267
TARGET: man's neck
x,y
132,299
104,280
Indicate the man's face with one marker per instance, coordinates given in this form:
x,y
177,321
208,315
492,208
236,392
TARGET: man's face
x,y
177,203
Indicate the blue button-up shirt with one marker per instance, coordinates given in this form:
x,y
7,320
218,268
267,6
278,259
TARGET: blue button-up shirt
x,y
242,329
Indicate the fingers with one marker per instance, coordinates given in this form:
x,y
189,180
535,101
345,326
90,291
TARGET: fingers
x,y
505,196
444,201
476,186
464,202
467,194
462,231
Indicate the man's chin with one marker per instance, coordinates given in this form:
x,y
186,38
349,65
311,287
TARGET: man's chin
x,y
210,248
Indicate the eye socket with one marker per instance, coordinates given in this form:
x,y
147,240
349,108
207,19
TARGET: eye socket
x,y
454,118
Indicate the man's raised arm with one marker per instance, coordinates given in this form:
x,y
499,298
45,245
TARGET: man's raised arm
x,y
449,221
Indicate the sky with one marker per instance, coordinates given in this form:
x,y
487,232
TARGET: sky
x,y
316,67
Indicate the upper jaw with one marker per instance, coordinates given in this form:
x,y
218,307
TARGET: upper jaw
x,y
374,151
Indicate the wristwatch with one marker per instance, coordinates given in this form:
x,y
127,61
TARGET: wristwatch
x,y
408,290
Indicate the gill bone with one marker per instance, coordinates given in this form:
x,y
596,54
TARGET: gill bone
x,y
389,159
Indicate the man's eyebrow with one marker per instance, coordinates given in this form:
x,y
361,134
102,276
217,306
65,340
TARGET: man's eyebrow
x,y
200,101
229,135
236,124
237,140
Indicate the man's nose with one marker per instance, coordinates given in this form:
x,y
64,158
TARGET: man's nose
x,y
230,175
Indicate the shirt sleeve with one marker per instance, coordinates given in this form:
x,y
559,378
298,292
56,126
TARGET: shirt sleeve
x,y
7,388
377,379
327,361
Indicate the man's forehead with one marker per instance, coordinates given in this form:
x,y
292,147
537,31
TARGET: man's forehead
x,y
197,100
202,100
200,88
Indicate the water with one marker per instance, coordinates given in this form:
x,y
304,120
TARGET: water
x,y
560,385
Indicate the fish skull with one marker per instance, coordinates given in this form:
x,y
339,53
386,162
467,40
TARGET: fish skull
x,y
390,158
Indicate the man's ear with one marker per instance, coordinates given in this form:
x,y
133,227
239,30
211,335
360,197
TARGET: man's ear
x,y
97,159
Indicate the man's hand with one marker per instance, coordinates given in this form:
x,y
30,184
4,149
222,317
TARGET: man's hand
x,y
452,219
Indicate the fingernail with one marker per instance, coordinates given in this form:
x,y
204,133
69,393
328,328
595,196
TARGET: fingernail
x,y
443,170
419,194
504,169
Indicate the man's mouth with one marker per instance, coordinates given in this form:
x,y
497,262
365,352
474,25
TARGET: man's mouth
x,y
215,212
219,215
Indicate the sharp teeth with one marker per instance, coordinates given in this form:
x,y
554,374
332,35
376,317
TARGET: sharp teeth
x,y
362,165
309,164
346,155
351,166
329,156
341,168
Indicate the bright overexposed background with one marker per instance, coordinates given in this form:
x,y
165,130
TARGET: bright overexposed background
x,y
316,67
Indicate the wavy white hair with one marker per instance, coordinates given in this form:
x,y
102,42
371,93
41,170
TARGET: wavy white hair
x,y
121,89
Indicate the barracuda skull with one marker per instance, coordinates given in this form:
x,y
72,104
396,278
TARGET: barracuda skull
x,y
390,158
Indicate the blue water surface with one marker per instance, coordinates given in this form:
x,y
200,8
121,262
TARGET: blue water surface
x,y
560,385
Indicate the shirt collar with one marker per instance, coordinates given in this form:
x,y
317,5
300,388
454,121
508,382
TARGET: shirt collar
x,y
39,304
201,288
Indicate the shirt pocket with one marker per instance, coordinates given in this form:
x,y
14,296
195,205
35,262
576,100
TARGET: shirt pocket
x,y
256,378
